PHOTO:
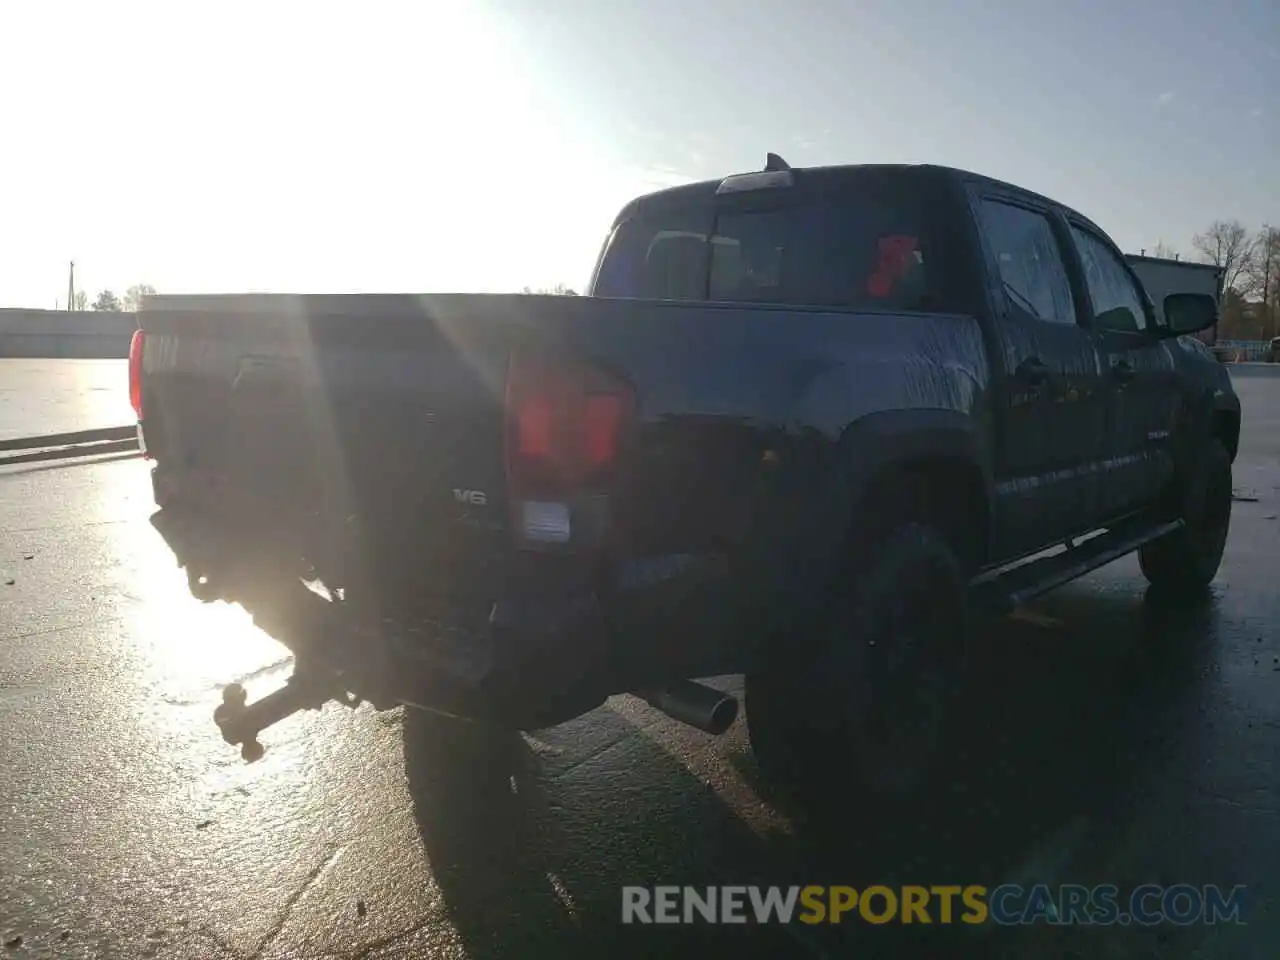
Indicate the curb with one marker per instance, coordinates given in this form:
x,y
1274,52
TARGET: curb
x,y
60,446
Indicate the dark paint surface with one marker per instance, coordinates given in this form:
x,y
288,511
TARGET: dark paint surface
x,y
738,448
1130,746
356,419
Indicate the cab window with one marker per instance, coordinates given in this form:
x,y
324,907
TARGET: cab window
x,y
1117,300
1032,271
858,248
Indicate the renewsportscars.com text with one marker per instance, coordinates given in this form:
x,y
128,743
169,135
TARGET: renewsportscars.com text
x,y
1010,904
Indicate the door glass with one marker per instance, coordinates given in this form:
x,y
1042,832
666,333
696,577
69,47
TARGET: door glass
x,y
1031,266
1117,302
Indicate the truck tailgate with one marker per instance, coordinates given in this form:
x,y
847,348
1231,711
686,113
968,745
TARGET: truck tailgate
x,y
359,410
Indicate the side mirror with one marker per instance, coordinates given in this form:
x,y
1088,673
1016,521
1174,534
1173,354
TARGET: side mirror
x,y
1189,312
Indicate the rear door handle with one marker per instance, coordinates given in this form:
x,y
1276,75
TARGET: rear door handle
x,y
1122,370
1034,371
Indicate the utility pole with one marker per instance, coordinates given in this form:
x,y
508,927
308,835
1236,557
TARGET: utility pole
x,y
71,287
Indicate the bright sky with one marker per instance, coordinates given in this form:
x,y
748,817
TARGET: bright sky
x,y
430,145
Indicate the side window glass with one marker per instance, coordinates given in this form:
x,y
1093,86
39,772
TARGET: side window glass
x,y
1117,302
660,257
1031,267
675,266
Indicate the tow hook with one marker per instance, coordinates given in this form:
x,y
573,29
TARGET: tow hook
x,y
240,722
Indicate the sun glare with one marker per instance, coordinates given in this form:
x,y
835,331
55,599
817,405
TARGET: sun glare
x,y
101,392
282,147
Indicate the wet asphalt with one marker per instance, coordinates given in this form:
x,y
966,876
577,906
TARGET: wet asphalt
x,y
40,397
1127,741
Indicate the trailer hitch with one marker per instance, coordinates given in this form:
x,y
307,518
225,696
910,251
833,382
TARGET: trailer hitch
x,y
240,722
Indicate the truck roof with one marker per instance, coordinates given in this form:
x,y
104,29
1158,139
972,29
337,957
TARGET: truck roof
x,y
704,190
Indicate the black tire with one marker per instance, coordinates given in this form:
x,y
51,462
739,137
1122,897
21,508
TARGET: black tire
x,y
1189,558
868,709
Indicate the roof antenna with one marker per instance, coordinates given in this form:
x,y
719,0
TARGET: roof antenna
x,y
774,162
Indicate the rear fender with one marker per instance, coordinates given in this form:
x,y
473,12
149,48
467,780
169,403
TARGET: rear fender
x,y
867,449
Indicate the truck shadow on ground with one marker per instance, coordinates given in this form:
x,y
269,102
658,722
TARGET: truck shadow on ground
x,y
531,838
531,861
531,854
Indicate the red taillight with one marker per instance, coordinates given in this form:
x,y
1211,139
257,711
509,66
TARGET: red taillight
x,y
135,371
565,421
533,427
601,426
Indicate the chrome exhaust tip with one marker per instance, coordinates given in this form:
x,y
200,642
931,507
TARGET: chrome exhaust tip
x,y
712,711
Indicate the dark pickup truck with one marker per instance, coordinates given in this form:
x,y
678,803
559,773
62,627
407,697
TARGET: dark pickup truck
x,y
804,423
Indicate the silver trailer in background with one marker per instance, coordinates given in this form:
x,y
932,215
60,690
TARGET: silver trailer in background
x,y
1162,277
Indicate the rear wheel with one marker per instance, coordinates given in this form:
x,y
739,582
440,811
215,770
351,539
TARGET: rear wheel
x,y
869,708
1189,558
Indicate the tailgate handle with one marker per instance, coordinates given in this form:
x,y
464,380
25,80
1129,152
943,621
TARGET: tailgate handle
x,y
252,368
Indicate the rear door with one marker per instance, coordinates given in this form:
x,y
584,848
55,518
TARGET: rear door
x,y
1051,398
1142,386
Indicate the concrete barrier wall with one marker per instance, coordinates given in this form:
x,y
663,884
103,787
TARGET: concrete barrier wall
x,y
59,333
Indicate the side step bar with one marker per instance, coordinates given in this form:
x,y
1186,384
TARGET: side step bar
x,y
1000,591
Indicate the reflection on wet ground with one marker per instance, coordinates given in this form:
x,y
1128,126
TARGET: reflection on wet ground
x,y
39,397
1126,742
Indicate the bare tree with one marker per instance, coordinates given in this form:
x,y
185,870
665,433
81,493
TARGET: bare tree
x,y
81,301
1162,249
1226,244
106,301
1261,277
560,289
133,296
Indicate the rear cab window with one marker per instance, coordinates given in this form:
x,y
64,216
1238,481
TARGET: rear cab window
x,y
866,244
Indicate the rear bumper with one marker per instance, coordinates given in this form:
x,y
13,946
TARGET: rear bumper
x,y
532,664
526,662
537,655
